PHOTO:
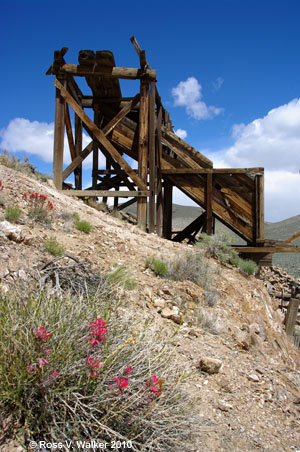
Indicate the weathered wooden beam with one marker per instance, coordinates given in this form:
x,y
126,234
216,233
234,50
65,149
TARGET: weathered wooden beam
x,y
294,237
99,135
78,151
267,249
259,207
208,204
181,171
167,220
108,193
115,72
119,116
159,192
152,127
192,228
77,161
69,132
291,316
59,132
127,204
186,148
96,148
143,151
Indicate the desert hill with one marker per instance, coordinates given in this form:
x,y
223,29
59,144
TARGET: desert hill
x,y
245,374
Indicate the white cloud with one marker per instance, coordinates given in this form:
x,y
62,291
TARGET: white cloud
x,y
181,133
272,142
37,138
188,94
218,83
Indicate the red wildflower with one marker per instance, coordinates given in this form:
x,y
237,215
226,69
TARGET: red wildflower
x,y
41,333
128,370
94,363
98,331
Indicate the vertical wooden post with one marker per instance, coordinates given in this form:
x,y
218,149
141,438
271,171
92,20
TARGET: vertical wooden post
x,y
78,149
291,316
143,151
167,223
95,151
152,158
104,199
59,132
259,207
159,201
208,204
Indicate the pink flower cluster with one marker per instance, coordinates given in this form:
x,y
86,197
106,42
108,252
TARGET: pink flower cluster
x,y
94,363
37,201
154,385
122,383
41,336
98,331
1,186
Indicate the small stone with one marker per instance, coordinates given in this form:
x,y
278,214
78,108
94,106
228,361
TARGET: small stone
x,y
159,303
167,313
176,318
210,365
224,406
253,377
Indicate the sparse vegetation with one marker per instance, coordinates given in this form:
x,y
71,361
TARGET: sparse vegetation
x,y
159,267
83,226
53,247
121,276
246,265
13,214
10,161
210,321
194,267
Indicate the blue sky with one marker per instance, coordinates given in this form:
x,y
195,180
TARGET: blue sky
x,y
228,71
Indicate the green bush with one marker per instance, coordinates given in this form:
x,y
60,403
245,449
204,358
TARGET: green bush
x,y
194,267
56,382
217,246
53,247
246,265
122,277
83,226
13,214
159,267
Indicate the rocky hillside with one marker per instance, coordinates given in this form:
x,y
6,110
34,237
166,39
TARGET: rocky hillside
x,y
246,374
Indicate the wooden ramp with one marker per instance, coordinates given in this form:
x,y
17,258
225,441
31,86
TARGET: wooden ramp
x,y
145,159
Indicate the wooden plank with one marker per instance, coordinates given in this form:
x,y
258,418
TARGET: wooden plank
x,y
208,204
189,150
95,149
78,151
59,131
77,161
167,220
108,193
127,204
143,151
152,120
259,207
114,72
175,171
291,316
159,200
119,116
69,132
99,135
192,228
267,249
294,237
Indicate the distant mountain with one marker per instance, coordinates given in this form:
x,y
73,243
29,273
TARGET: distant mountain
x,y
281,230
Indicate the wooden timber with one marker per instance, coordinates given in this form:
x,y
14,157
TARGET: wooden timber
x,y
139,130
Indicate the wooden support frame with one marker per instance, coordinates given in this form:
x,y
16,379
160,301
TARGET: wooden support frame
x,y
143,151
59,133
208,204
291,316
168,201
152,127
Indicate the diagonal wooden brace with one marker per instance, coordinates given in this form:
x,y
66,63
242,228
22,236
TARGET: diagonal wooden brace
x,y
99,136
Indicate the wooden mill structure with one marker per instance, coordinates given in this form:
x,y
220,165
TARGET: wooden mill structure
x,y
138,129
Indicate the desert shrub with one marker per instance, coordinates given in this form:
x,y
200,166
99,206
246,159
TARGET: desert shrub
x,y
53,247
75,216
74,368
121,276
217,246
210,321
246,265
211,297
194,267
83,226
12,214
159,267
